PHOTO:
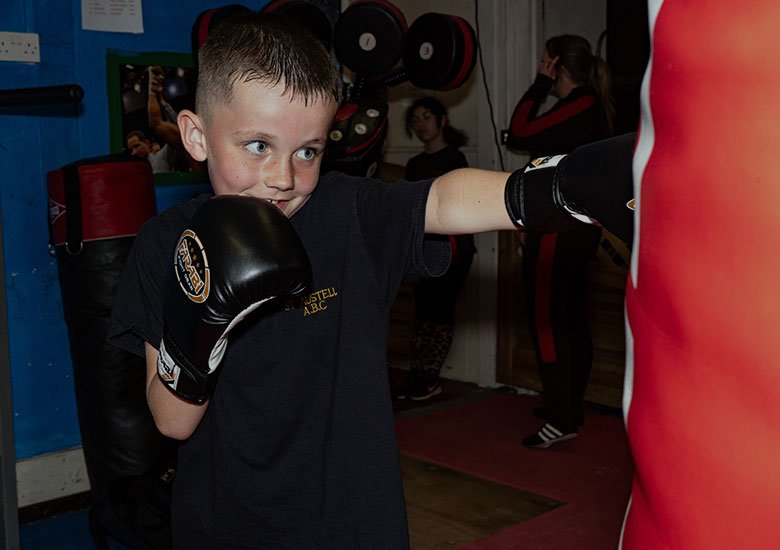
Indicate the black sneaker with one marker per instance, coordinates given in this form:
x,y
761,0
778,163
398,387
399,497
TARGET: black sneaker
x,y
404,387
546,436
424,388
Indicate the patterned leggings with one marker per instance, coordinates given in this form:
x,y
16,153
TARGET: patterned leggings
x,y
435,301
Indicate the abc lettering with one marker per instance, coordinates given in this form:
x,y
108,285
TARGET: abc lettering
x,y
314,307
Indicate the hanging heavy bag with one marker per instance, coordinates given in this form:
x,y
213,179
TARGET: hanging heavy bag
x,y
96,207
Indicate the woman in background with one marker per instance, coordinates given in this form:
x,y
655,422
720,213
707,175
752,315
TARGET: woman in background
x,y
555,266
434,298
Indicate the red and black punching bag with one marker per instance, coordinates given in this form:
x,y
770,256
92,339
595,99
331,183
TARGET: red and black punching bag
x,y
96,207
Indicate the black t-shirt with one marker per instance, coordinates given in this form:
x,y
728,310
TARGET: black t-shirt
x,y
432,165
297,447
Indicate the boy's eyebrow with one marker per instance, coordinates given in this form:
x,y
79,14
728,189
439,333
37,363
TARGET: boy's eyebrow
x,y
255,135
251,135
316,141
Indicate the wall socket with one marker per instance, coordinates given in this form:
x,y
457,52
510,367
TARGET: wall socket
x,y
20,46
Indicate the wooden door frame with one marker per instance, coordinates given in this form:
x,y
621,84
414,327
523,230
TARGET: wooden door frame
x,y
513,28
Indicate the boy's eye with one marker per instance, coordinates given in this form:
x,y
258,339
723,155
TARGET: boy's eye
x,y
256,147
307,153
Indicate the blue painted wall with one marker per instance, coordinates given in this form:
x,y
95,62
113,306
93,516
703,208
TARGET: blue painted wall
x,y
34,141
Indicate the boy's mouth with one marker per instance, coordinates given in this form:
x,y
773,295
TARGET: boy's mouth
x,y
280,204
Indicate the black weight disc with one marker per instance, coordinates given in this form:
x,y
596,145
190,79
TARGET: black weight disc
x,y
465,53
369,37
439,53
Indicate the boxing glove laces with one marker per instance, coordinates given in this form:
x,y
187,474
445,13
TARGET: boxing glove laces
x,y
237,254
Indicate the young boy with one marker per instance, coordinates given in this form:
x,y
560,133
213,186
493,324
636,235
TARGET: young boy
x,y
294,446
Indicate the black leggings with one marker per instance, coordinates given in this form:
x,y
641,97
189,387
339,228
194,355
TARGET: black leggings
x,y
555,270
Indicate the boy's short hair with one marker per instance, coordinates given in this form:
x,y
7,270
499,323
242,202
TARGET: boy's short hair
x,y
269,48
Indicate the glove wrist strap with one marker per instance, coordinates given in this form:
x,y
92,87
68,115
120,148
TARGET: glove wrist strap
x,y
180,376
532,196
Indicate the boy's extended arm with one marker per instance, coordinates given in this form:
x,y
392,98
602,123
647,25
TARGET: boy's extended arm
x,y
467,200
593,184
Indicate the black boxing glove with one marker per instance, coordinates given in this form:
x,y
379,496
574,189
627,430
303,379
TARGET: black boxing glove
x,y
532,196
592,184
238,253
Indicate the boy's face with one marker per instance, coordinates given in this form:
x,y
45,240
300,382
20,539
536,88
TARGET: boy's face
x,y
262,144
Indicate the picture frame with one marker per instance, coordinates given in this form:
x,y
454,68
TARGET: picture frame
x,y
128,86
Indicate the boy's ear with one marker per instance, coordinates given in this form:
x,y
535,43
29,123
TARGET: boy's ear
x,y
192,135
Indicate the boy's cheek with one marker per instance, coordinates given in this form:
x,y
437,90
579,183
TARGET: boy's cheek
x,y
307,188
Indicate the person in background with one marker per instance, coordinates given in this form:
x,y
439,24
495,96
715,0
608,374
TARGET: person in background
x,y
162,159
555,265
161,118
434,298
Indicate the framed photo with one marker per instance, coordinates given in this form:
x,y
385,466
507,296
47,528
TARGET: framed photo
x,y
146,91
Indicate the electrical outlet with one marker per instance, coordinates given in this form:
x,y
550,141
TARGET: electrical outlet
x,y
20,46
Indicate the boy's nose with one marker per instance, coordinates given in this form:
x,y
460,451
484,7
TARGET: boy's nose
x,y
282,177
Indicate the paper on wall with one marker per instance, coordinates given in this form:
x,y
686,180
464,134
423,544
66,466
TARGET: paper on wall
x,y
112,16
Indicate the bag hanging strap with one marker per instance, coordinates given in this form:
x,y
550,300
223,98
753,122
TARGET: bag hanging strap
x,y
74,242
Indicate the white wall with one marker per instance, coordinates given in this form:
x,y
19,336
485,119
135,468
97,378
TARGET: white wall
x,y
584,17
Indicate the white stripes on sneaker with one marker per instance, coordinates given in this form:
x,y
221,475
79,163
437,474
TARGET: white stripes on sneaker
x,y
549,434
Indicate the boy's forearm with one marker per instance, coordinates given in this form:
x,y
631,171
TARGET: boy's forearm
x,y
174,417
467,200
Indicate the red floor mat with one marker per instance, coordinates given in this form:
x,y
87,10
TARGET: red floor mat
x,y
591,473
